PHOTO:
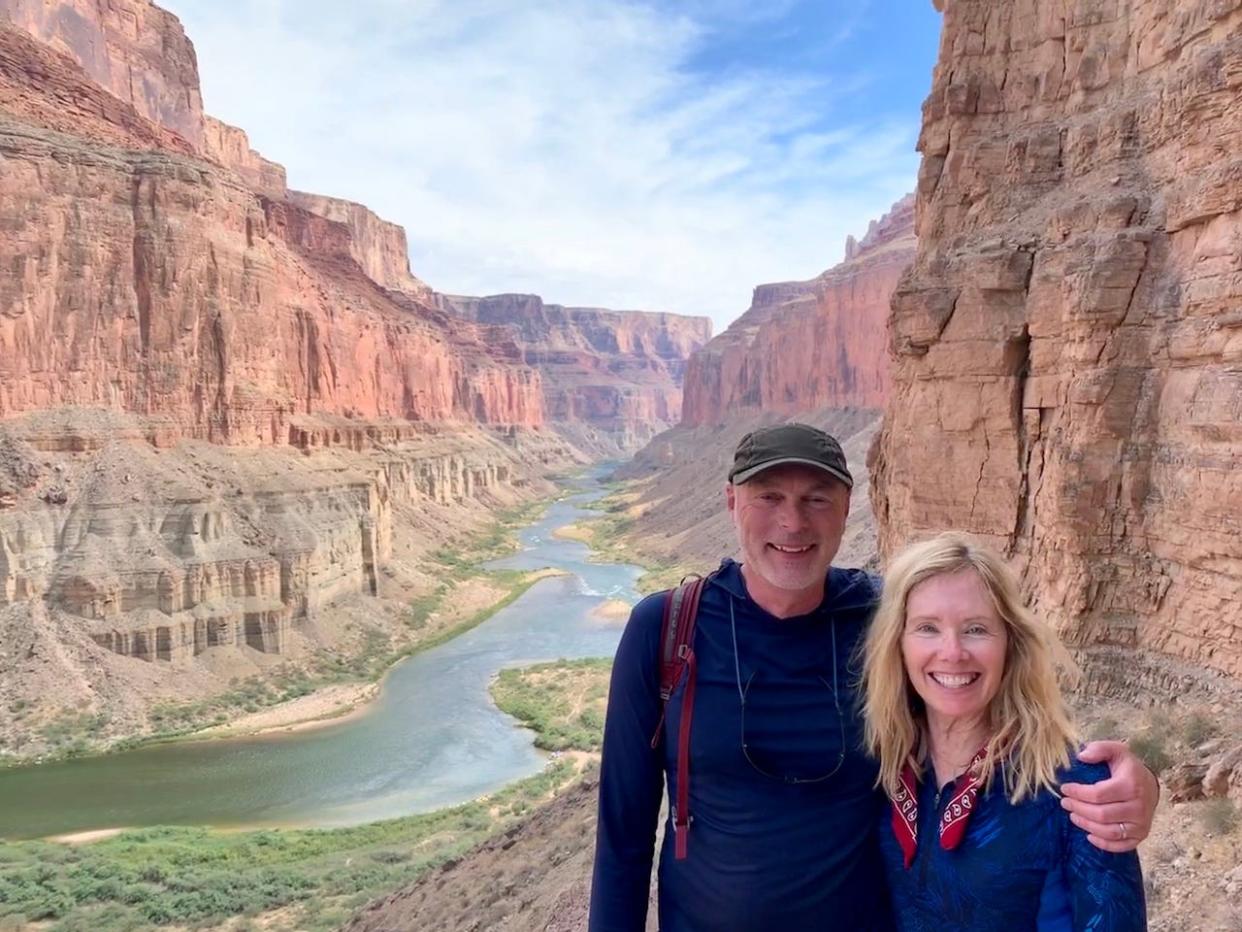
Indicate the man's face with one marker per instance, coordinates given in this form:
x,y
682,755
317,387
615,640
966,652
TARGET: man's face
x,y
789,522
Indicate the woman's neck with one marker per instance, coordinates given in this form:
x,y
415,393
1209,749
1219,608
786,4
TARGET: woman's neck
x,y
953,742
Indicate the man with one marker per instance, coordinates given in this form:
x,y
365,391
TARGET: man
x,y
783,808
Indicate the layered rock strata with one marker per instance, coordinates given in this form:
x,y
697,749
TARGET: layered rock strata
x,y
134,50
1067,344
806,345
211,563
611,379
165,555
229,415
147,280
378,246
230,146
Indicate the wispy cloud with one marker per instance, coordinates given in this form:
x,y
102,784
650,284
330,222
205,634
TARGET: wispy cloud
x,y
566,149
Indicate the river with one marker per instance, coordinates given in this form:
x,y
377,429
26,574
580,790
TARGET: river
x,y
432,738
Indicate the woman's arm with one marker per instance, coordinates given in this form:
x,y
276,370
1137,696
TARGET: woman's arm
x,y
1105,889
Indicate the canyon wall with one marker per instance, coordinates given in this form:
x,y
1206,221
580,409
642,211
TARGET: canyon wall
x,y
133,49
612,379
377,245
811,351
147,280
1067,345
230,146
806,345
229,414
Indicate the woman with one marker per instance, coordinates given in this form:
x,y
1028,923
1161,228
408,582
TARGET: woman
x,y
965,717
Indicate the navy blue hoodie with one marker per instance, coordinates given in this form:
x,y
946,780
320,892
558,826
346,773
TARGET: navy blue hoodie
x,y
765,852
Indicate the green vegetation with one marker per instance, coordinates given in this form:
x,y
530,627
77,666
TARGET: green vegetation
x,y
197,877
66,735
563,702
1152,750
1218,816
374,656
1197,729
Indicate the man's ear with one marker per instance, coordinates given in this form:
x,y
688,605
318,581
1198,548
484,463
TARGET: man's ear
x,y
730,498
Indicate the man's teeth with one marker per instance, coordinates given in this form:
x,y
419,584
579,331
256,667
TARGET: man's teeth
x,y
791,549
954,680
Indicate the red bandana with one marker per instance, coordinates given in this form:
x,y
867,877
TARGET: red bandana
x,y
956,813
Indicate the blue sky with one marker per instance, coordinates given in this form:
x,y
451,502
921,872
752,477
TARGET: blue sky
x,y
657,155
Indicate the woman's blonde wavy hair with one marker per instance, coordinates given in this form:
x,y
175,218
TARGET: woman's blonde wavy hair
x,y
1031,729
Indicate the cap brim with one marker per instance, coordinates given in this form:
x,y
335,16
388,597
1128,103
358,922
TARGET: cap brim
x,y
746,474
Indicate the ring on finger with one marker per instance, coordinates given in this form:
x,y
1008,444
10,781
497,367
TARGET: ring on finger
x,y
1121,827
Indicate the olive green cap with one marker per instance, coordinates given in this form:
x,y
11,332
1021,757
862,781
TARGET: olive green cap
x,y
788,443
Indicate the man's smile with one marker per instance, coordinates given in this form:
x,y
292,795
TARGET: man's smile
x,y
784,548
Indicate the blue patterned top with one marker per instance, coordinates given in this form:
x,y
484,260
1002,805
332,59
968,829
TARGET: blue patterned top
x,y
1023,867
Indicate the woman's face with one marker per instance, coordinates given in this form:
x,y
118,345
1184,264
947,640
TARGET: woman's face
x,y
954,644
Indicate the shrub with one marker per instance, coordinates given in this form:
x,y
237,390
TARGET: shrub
x,y
1218,816
1197,729
1152,751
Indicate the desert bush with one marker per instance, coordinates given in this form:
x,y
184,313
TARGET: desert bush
x,y
1197,729
1152,749
1218,816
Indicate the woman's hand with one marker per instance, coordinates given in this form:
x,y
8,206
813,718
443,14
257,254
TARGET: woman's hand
x,y
1115,813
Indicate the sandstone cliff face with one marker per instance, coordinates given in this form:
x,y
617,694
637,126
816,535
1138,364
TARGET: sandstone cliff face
x,y
1067,343
616,373
208,562
378,246
805,345
164,556
131,48
154,283
230,146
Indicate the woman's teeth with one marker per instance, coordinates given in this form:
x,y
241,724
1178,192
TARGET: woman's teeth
x,y
954,680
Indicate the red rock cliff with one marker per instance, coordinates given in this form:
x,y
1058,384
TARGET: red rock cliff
x,y
616,372
1068,342
230,146
131,48
146,280
806,345
378,246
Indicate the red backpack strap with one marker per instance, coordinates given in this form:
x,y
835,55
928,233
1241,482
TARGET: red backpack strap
x,y
681,610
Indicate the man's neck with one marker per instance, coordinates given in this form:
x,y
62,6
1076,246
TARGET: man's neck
x,y
781,603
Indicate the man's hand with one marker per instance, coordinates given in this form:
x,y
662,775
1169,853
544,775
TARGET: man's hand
x,y
1115,813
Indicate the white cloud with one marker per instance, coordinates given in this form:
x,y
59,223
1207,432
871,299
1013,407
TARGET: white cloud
x,y
560,149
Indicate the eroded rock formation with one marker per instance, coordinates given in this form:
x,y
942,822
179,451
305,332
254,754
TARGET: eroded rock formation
x,y
806,345
378,246
1068,342
133,49
163,554
157,284
611,379
230,146
224,407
